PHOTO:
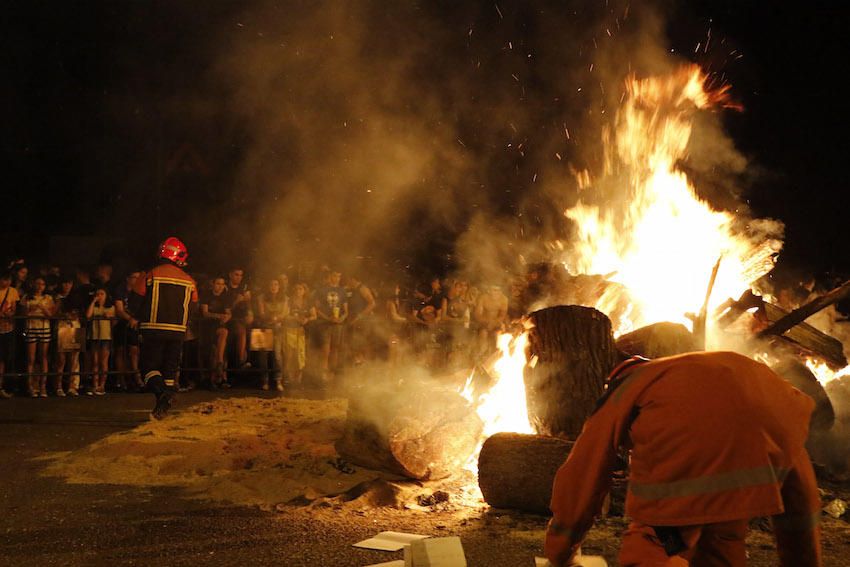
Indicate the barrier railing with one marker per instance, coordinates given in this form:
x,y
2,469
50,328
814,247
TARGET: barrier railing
x,y
71,335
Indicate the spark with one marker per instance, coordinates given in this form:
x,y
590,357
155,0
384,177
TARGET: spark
x,y
501,17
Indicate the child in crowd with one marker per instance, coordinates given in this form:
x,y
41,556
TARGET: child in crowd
x,y
294,342
273,308
68,345
39,307
100,316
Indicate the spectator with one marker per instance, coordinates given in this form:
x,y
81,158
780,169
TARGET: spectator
x,y
491,314
100,314
242,317
361,304
283,280
39,308
294,339
395,322
8,304
215,314
456,309
432,295
126,335
19,279
103,275
83,289
332,310
516,306
273,308
67,351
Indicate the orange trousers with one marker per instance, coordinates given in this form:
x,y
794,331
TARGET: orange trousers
x,y
709,545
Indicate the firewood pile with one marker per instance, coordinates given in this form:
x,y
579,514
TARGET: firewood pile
x,y
429,433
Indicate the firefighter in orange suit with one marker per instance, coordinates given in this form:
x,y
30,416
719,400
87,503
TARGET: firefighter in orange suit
x,y
716,439
163,298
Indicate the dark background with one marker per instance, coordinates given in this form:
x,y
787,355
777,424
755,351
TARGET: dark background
x,y
114,128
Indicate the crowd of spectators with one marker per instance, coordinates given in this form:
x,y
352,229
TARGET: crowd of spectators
x,y
67,333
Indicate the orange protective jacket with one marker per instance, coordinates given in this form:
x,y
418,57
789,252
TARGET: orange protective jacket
x,y
714,437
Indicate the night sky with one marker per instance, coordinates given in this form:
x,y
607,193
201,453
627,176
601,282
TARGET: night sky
x,y
133,120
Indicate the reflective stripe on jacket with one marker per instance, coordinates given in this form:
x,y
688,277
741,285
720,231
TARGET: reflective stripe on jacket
x,y
167,291
713,438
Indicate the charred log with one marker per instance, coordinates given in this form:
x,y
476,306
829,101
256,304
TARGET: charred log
x,y
799,315
421,434
574,351
657,340
808,339
516,471
802,338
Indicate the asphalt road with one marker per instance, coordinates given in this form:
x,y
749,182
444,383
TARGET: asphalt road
x,y
44,521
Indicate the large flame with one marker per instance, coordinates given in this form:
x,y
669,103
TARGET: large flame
x,y
502,408
659,239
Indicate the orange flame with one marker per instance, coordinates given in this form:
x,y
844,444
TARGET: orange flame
x,y
823,372
662,241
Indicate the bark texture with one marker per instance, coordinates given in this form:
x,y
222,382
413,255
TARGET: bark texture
x,y
572,351
516,471
657,340
422,434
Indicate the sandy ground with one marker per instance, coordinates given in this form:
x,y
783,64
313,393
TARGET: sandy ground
x,y
277,455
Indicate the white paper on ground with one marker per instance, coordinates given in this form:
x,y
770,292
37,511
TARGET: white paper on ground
x,y
396,563
584,561
437,552
389,541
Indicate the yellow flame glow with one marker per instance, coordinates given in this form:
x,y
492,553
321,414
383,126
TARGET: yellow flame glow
x,y
503,407
824,373
661,240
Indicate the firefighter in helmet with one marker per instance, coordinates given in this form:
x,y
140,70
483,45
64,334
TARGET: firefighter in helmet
x,y
163,298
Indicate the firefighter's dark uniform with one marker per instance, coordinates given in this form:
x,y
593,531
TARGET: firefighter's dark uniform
x,y
167,293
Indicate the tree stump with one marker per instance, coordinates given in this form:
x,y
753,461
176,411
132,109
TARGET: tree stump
x,y
657,340
421,432
575,351
516,471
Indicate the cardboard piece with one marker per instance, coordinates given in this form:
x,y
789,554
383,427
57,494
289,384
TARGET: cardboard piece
x,y
396,563
584,561
389,541
435,552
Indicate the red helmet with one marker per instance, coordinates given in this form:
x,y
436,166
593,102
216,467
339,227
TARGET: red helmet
x,y
174,250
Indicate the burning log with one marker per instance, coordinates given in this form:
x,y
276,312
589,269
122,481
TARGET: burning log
x,y
657,340
802,313
517,471
575,351
806,337
801,336
422,433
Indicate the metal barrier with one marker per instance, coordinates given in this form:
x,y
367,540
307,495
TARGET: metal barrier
x,y
435,344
